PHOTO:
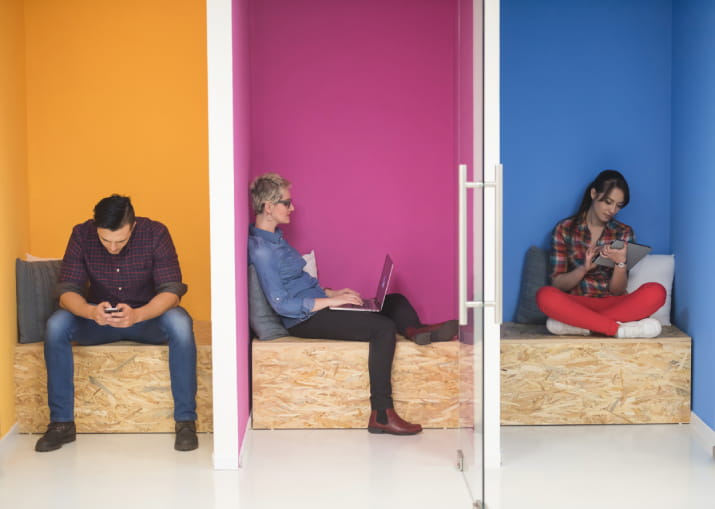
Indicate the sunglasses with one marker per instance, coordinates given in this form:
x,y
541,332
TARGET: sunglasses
x,y
287,203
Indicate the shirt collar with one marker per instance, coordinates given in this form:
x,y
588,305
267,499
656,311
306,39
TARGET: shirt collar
x,y
274,237
610,225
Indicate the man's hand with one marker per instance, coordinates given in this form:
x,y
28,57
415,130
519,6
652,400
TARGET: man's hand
x,y
98,313
126,316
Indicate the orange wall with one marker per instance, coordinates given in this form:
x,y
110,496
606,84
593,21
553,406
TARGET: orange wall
x,y
13,192
117,103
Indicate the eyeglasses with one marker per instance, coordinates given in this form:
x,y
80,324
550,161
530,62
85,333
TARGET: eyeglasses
x,y
287,202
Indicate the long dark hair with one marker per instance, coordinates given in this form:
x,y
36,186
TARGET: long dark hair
x,y
606,181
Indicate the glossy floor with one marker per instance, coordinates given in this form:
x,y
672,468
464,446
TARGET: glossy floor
x,y
543,467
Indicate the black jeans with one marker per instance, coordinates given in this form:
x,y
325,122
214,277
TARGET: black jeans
x,y
378,328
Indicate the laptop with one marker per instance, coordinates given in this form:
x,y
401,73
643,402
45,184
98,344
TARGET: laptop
x,y
375,304
635,253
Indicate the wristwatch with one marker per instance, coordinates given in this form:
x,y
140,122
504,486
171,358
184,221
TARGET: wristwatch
x,y
621,265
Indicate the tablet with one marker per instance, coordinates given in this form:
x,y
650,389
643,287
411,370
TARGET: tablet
x,y
636,252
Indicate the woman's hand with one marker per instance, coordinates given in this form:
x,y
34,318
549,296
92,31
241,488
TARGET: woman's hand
x,y
337,298
591,254
615,255
569,280
338,293
346,298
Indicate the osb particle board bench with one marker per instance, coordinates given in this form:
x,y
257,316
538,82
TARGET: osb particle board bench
x,y
121,387
313,383
547,379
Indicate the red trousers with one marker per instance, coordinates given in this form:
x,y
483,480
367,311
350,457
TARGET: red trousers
x,y
600,314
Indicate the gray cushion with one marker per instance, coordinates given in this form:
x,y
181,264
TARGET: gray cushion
x,y
265,323
36,297
535,274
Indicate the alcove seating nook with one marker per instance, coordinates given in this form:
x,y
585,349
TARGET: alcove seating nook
x,y
313,383
547,379
121,387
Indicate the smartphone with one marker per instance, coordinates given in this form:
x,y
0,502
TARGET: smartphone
x,y
617,244
111,310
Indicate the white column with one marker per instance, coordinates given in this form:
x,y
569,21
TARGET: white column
x,y
223,262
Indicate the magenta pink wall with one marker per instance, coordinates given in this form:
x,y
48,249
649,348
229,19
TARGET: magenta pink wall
x,y
241,179
354,102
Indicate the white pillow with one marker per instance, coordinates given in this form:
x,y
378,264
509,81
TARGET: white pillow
x,y
654,269
310,266
31,258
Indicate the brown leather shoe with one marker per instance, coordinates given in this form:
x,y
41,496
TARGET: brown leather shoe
x,y
393,424
57,434
426,334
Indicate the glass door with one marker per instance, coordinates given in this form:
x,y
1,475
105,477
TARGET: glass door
x,y
470,454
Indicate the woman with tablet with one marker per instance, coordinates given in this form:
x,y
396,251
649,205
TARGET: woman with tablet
x,y
304,306
586,296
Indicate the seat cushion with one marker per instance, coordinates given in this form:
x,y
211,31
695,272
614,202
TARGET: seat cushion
x,y
535,274
36,283
264,322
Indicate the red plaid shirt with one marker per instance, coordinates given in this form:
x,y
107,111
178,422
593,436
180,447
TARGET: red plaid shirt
x,y
147,265
569,242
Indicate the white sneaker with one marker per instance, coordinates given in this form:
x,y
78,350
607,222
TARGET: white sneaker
x,y
646,328
561,329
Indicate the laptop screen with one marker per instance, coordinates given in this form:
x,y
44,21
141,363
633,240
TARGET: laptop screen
x,y
384,282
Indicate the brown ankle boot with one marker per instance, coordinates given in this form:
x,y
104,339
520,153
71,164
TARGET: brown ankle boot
x,y
426,334
387,421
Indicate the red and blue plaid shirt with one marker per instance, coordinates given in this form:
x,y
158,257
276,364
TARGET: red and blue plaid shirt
x,y
569,242
147,265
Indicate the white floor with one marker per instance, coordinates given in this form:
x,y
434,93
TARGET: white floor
x,y
578,467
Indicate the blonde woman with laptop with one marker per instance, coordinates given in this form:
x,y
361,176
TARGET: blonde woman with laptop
x,y
586,296
304,306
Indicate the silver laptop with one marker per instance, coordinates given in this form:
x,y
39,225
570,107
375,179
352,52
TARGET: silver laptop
x,y
376,303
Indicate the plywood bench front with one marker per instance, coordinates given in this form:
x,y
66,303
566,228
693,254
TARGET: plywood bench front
x,y
547,379
120,387
313,383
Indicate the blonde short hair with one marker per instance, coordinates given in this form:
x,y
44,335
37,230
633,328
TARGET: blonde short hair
x,y
267,188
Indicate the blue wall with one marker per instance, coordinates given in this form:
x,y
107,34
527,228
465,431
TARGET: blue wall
x,y
585,86
693,170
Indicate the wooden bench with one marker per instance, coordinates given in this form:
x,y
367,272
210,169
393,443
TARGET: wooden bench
x,y
120,387
313,383
548,379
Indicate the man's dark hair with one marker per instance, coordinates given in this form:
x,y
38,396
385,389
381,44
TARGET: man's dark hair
x,y
113,212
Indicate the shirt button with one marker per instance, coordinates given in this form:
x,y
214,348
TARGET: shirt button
x,y
120,288
117,269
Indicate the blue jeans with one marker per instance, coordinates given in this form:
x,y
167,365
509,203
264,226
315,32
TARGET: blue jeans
x,y
174,326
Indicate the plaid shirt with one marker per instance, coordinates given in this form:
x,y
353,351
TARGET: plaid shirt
x,y
569,242
147,265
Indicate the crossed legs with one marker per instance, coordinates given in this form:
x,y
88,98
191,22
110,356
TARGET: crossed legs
x,y
600,314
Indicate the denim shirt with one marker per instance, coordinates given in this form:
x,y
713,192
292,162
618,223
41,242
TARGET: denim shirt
x,y
288,288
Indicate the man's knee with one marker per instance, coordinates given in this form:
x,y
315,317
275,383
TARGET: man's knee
x,y
59,327
178,325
